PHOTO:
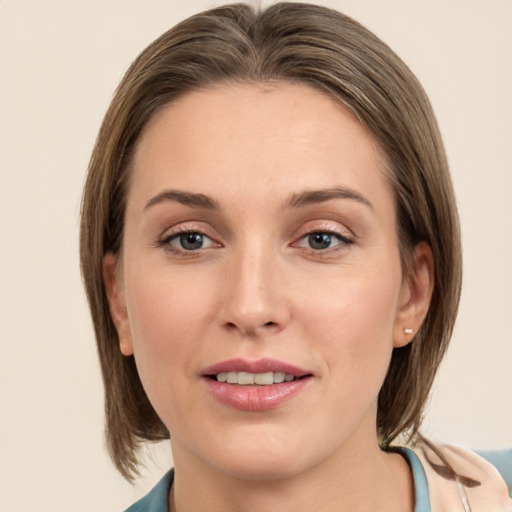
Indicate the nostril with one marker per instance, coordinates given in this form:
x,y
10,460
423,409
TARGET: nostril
x,y
250,330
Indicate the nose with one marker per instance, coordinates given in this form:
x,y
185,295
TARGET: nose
x,y
254,294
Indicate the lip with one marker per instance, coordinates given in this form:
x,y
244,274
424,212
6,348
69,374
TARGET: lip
x,y
255,397
258,366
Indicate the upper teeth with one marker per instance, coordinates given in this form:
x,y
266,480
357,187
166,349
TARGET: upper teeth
x,y
263,379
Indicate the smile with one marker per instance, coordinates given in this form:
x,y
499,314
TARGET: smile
x,y
259,379
256,385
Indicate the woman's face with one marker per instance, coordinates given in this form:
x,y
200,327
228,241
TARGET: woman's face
x,y
260,244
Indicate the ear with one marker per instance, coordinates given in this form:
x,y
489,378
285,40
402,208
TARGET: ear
x,y
415,296
118,312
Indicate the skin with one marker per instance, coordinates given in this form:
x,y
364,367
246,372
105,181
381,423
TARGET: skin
x,y
257,289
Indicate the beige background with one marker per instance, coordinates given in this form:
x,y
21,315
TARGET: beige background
x,y
59,64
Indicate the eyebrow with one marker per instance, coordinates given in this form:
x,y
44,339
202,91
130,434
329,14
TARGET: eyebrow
x,y
310,197
186,198
299,200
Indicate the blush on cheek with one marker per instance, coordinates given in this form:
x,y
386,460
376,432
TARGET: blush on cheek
x,y
358,325
164,319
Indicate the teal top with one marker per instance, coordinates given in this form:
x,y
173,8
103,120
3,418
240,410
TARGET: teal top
x,y
157,499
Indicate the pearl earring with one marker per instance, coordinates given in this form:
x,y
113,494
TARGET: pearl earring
x,y
408,331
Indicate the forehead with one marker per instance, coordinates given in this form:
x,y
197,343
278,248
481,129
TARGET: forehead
x,y
258,137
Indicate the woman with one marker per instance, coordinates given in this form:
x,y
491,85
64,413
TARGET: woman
x,y
271,252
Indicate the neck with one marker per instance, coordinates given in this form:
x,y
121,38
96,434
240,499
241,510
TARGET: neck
x,y
357,480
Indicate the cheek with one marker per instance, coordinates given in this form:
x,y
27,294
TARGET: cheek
x,y
348,305
352,320
164,320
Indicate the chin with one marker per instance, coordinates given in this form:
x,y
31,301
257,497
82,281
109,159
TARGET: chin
x,y
262,459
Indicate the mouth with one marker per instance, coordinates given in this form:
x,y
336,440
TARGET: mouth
x,y
263,372
256,385
254,379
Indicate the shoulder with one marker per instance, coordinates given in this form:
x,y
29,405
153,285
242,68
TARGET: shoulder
x,y
502,461
157,499
458,476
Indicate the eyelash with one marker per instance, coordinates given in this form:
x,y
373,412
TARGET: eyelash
x,y
166,243
343,242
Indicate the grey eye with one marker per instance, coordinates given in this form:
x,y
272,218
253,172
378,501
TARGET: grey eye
x,y
319,241
323,240
188,241
191,241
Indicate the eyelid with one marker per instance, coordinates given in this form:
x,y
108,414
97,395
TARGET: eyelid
x,y
191,226
325,226
170,234
345,238
342,240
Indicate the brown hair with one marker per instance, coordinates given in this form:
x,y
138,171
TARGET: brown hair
x,y
290,42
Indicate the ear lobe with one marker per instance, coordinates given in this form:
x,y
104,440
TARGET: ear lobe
x,y
116,303
415,298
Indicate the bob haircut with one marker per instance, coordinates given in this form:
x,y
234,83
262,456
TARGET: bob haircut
x,y
330,52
